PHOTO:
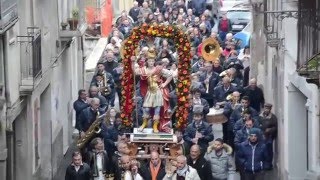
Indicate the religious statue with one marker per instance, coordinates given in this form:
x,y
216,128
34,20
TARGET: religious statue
x,y
154,80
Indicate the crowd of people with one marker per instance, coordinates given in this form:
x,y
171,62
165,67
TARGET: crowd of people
x,y
248,133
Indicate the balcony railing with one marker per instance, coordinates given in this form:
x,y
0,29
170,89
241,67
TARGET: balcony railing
x,y
31,66
8,14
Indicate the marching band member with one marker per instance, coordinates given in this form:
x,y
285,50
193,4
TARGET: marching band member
x,y
80,104
89,115
198,132
98,160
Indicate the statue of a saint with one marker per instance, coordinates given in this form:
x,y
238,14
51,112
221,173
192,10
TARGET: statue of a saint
x,y
154,80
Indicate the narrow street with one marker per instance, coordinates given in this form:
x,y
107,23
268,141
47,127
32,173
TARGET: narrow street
x,y
159,89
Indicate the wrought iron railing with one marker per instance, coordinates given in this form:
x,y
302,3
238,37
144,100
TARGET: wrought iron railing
x,y
308,31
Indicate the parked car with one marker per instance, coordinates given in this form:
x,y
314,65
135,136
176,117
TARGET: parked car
x,y
242,38
239,18
227,5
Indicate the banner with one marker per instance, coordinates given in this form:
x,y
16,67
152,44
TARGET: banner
x,y
106,18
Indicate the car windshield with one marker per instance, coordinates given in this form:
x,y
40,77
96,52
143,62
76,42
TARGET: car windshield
x,y
239,15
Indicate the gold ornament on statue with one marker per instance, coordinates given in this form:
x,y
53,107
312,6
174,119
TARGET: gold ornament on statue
x,y
210,49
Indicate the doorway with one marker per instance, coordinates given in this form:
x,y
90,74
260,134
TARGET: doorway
x,y
297,133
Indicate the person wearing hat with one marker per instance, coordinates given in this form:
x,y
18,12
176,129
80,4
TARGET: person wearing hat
x,y
198,132
269,127
195,99
253,156
153,87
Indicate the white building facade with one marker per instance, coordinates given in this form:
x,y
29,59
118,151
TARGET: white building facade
x,y
41,71
285,35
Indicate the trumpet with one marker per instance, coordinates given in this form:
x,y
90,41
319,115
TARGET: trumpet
x,y
105,89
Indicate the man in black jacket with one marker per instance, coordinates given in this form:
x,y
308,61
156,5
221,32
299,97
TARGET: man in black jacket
x,y
78,170
197,161
98,160
255,95
153,168
80,104
198,132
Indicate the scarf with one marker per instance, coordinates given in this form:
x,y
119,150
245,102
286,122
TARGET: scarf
x,y
182,172
154,170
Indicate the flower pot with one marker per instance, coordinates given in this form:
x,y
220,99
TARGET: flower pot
x,y
64,26
73,23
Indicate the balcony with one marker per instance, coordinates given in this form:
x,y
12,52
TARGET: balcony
x,y
8,14
67,34
31,66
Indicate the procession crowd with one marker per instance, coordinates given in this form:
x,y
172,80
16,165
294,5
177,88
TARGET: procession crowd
x,y
250,128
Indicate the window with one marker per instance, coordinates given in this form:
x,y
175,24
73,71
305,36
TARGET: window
x,y
309,30
36,56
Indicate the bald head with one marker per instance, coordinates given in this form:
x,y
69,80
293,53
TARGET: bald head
x,y
125,162
181,161
253,83
155,159
195,152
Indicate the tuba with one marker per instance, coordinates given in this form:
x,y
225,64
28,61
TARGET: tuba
x,y
210,49
93,129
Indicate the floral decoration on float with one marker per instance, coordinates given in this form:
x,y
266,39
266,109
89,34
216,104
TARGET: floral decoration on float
x,y
183,48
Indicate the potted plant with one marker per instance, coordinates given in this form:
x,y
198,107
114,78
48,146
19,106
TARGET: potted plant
x,y
73,22
64,25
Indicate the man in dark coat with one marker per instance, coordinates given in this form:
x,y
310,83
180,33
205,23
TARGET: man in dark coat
x,y
89,115
110,62
94,93
197,100
221,92
236,115
78,170
210,79
106,80
80,104
246,115
198,132
197,161
158,168
98,160
253,156
269,126
199,6
255,95
134,11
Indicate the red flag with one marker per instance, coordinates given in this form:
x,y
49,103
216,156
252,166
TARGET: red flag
x,y
106,19
90,15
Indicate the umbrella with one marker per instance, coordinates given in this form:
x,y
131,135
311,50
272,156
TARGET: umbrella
x,y
243,38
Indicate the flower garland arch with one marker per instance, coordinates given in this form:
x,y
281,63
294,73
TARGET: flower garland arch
x,y
183,47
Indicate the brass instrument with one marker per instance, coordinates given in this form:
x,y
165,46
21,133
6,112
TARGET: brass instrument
x,y
93,129
210,49
105,89
234,103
